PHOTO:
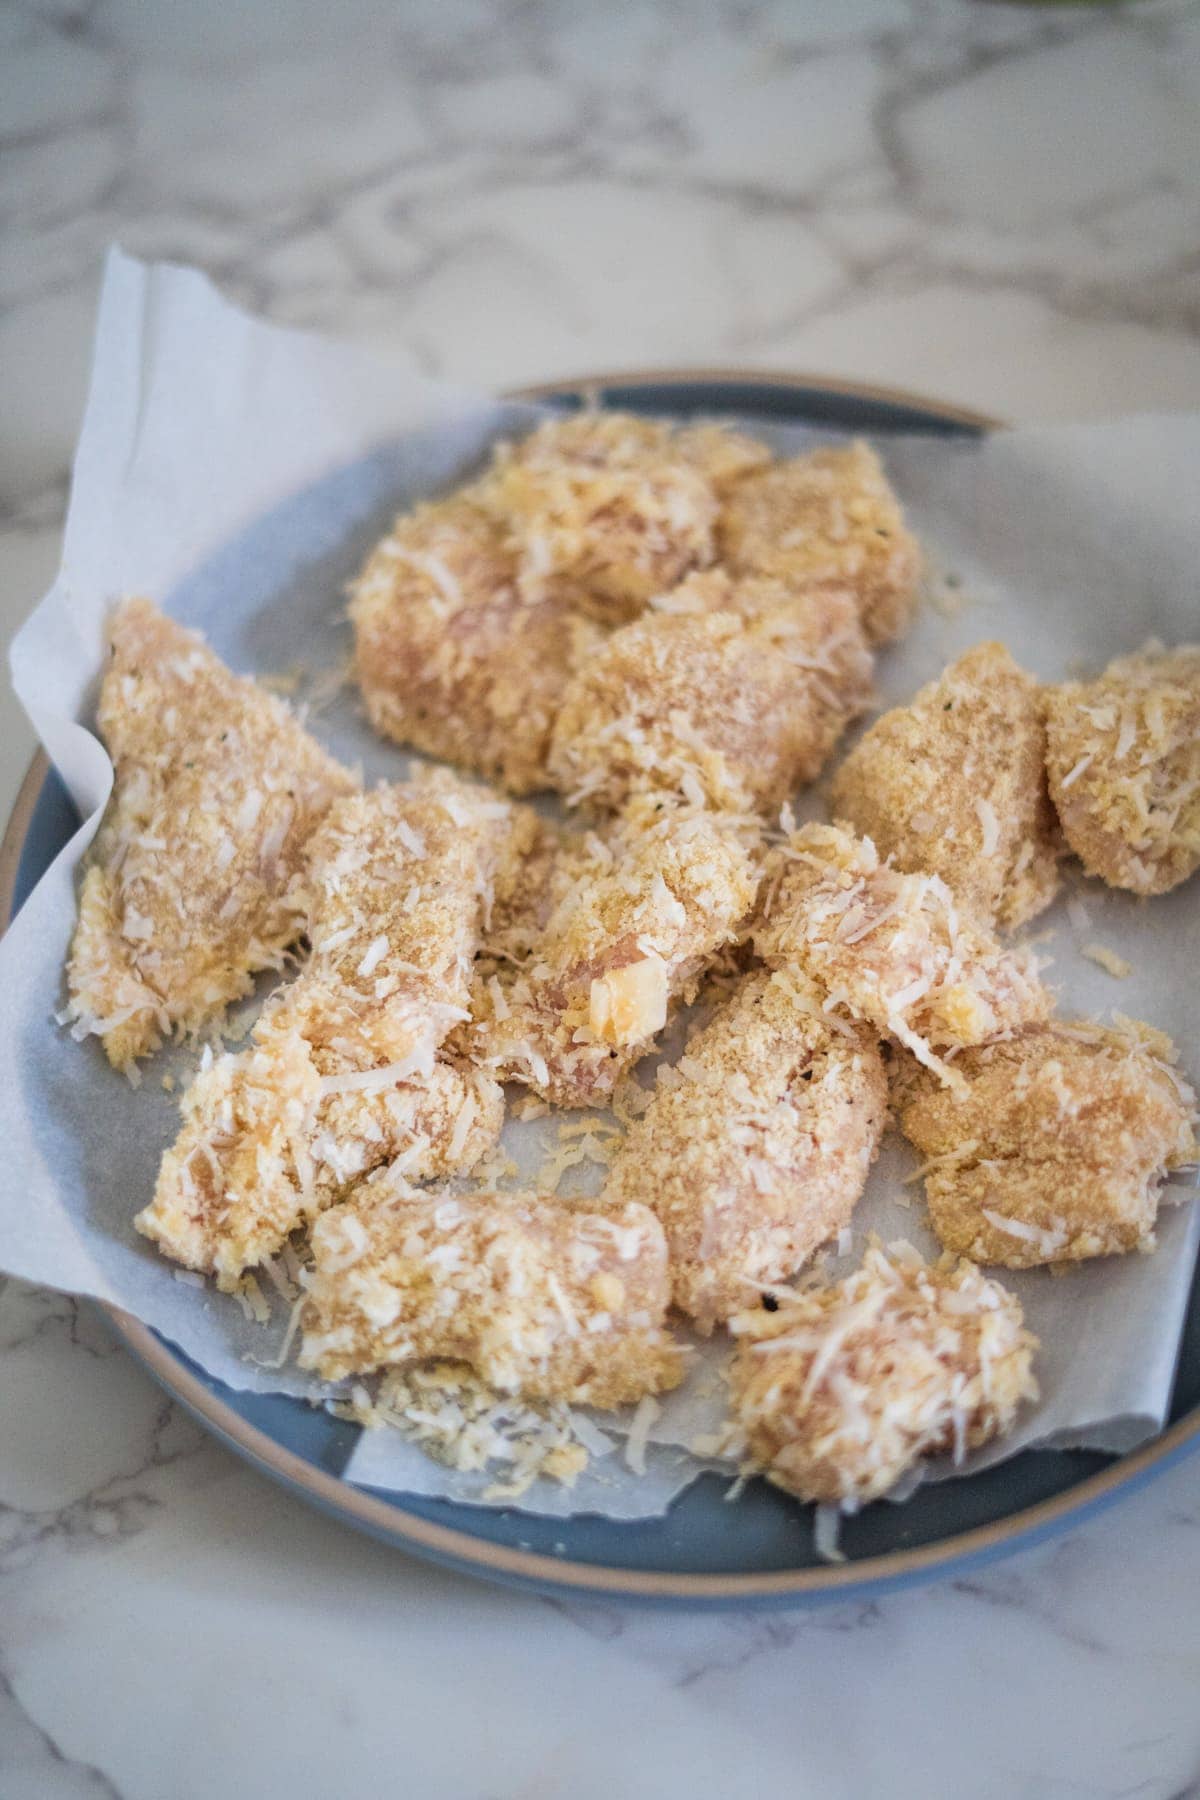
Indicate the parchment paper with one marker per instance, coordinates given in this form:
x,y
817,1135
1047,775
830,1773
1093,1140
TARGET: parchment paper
x,y
238,473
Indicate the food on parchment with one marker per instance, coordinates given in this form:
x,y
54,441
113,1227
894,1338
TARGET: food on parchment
x,y
196,879
842,1389
757,1144
1124,765
954,784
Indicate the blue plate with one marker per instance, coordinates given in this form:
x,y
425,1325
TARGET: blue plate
x,y
703,1552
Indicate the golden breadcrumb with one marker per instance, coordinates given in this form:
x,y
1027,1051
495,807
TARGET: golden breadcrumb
x,y
844,1388
542,1299
954,784
731,696
452,658
827,520
1056,1149
608,506
756,1147
1124,765
341,1074
638,914
195,880
891,949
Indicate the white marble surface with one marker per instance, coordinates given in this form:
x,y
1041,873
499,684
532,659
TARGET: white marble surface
x,y
997,204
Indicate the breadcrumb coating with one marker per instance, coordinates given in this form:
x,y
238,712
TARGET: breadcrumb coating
x,y
542,1299
638,914
341,1074
891,949
844,1388
954,784
453,656
757,1145
195,881
731,696
1124,765
1056,1149
827,520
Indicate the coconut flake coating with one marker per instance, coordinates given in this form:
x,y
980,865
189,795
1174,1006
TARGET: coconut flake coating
x,y
1056,1148
827,520
541,1299
1124,764
729,692
954,784
196,878
757,1145
341,1074
844,1388
891,949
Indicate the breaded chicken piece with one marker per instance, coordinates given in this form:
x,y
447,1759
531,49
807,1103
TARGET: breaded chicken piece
x,y
732,695
843,1388
827,520
641,912
195,880
1056,1149
451,657
756,1147
610,507
1123,758
543,1300
954,784
891,949
341,1074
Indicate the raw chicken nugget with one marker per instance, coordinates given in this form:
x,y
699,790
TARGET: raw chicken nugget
x,y
341,1074
451,657
732,696
843,1388
755,1149
646,907
827,520
1124,766
195,880
542,1299
954,784
891,949
1057,1148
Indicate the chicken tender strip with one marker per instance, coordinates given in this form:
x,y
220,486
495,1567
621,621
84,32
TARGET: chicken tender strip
x,y
1124,764
646,907
954,784
451,657
730,696
1057,1147
341,1074
195,881
541,1299
756,1147
827,520
844,1388
609,506
891,949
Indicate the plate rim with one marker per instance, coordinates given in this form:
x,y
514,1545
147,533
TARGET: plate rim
x,y
463,1550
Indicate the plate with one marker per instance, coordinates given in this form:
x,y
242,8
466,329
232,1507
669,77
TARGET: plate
x,y
702,1553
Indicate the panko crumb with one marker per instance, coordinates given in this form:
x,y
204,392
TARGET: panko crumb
x,y
828,519
755,1154
954,784
543,1300
1055,1149
842,1389
891,949
195,881
1124,764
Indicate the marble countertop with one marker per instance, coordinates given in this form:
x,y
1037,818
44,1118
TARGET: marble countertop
x,y
996,204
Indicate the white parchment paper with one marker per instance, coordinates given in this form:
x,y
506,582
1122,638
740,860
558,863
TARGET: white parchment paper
x,y
238,473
